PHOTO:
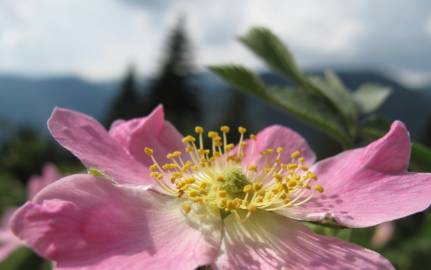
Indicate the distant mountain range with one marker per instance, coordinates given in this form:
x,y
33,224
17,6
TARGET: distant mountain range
x,y
30,101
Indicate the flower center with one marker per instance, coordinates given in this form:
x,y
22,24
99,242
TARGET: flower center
x,y
224,179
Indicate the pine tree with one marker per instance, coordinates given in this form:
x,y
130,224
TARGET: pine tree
x,y
128,103
173,88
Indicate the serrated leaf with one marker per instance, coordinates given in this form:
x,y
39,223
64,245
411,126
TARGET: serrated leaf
x,y
369,97
272,50
305,106
333,88
240,77
311,109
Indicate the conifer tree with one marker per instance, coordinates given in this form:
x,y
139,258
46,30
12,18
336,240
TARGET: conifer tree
x,y
128,103
173,87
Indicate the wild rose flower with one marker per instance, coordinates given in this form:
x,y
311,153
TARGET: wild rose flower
x,y
231,207
8,241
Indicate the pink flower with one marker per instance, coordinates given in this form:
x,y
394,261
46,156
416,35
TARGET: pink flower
x,y
225,206
8,241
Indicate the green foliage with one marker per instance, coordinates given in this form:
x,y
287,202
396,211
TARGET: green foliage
x,y
24,258
128,103
323,102
173,87
305,106
369,97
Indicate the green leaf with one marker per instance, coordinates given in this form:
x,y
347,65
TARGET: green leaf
x,y
241,78
420,158
311,109
303,105
272,50
369,97
333,88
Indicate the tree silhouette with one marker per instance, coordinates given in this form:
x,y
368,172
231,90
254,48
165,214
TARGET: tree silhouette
x,y
173,87
128,103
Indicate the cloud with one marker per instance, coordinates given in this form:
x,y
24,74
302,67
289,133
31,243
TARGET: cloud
x,y
99,38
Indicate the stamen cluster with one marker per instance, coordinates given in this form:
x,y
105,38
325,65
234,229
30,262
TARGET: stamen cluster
x,y
219,178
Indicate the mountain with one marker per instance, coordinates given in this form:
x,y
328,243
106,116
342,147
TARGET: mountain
x,y
30,101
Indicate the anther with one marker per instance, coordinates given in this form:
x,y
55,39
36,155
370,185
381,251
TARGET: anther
x,y
225,129
148,151
242,130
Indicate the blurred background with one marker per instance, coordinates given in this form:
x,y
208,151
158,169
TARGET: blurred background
x,y
120,58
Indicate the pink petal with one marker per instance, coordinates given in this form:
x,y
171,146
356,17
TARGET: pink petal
x,y
8,241
273,137
91,143
370,185
267,241
151,131
37,183
83,222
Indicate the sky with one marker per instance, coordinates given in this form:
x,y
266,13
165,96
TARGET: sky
x,y
98,39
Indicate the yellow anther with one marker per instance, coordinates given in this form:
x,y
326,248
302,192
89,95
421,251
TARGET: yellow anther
x,y
243,144
280,150
318,188
311,175
292,166
252,168
229,147
189,139
283,166
304,168
222,194
292,183
187,208
190,180
247,188
307,186
295,154
242,130
225,129
220,179
277,177
203,185
176,154
301,159
253,137
193,193
199,130
277,188
148,151
257,186
212,134
154,168
154,174
189,149
251,208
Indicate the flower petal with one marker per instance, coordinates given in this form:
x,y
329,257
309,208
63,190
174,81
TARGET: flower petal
x,y
269,241
86,222
8,241
151,131
370,185
273,137
37,183
91,143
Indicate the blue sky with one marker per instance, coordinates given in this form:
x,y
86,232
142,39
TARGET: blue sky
x,y
97,39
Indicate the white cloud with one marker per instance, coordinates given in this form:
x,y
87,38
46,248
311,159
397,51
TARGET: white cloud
x,y
99,38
